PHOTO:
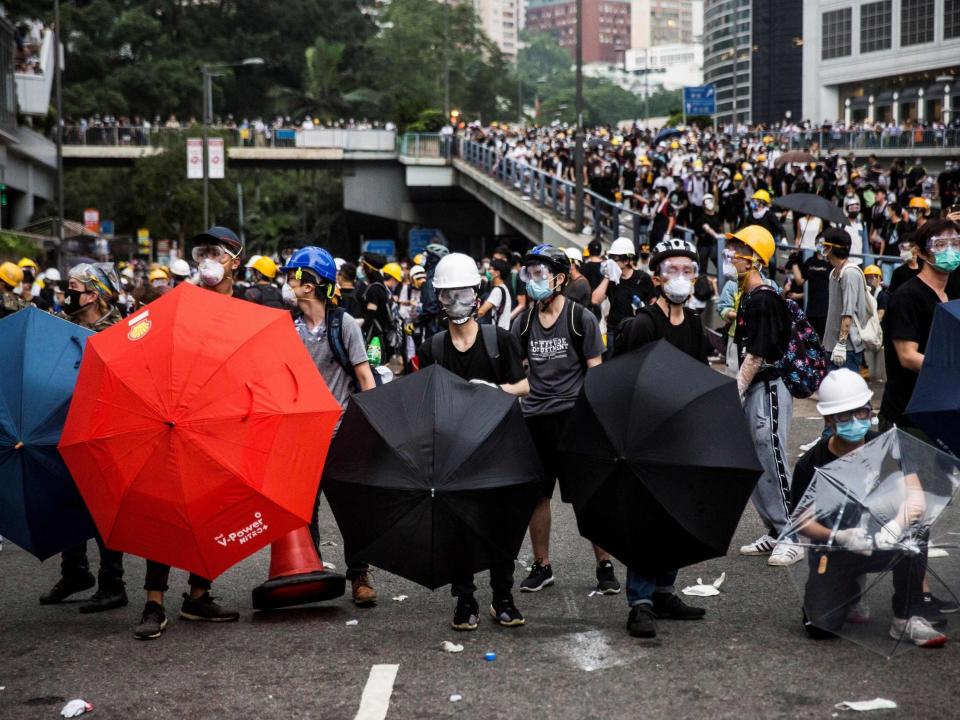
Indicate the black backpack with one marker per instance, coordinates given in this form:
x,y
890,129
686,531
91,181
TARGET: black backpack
x,y
488,319
393,335
575,320
335,339
488,334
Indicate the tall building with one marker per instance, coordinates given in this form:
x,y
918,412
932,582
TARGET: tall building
x,y
500,20
665,22
606,26
885,60
727,56
776,77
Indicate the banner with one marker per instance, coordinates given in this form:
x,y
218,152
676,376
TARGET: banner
x,y
216,158
194,159
91,220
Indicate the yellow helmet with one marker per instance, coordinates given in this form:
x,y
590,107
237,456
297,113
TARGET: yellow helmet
x,y
674,145
757,238
393,270
11,274
264,265
761,158
418,259
767,139
737,177
915,202
872,270
158,274
762,195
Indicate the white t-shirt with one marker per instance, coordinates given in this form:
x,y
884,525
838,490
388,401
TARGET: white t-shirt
x,y
499,294
810,228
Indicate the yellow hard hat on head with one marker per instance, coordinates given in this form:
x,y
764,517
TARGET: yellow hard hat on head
x,y
158,274
674,145
11,274
393,270
418,259
738,177
761,158
757,238
27,263
915,202
264,265
762,195
873,270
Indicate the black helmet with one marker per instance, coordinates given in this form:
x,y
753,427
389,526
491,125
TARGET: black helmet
x,y
553,257
671,247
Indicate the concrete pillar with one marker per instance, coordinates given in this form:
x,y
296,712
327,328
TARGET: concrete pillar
x,y
22,210
871,109
896,108
846,111
946,105
921,107
499,226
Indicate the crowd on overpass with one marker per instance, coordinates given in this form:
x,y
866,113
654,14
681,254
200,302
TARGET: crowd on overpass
x,y
28,36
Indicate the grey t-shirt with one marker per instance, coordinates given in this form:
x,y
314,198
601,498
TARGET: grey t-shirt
x,y
847,297
555,371
317,344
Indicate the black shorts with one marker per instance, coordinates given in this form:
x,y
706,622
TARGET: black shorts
x,y
546,431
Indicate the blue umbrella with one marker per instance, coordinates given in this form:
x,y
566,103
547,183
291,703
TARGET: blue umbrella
x,y
667,134
935,404
40,507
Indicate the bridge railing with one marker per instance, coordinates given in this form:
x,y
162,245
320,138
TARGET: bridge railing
x,y
136,136
427,145
870,140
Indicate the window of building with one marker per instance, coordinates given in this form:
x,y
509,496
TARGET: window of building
x,y
875,26
916,21
951,19
835,34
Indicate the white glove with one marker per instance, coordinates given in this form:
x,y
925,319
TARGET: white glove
x,y
856,540
75,708
611,271
839,355
889,536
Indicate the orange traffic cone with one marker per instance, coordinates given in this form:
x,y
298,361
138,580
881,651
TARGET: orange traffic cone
x,y
297,576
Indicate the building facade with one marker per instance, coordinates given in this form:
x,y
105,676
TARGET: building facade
x,y
727,56
606,26
665,22
883,60
776,77
500,20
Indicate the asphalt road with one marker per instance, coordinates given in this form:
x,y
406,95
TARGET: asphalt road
x,y
748,659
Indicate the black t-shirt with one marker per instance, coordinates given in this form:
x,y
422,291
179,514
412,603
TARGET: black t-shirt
x,y
579,290
628,295
651,324
475,363
902,273
351,303
816,457
592,272
763,328
909,317
376,322
816,285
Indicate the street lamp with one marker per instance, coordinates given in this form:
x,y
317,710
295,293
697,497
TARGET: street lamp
x,y
208,71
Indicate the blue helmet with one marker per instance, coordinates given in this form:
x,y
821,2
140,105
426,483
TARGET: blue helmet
x,y
317,260
553,257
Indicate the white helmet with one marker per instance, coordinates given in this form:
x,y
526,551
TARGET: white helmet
x,y
251,263
575,255
622,246
339,262
52,275
417,271
180,268
456,270
843,390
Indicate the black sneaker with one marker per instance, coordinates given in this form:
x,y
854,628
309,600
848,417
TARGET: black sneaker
x,y
930,612
641,622
106,598
204,608
607,583
467,615
540,576
152,622
67,586
947,607
506,613
671,607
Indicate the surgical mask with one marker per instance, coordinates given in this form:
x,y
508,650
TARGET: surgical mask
x,y
539,289
913,217
757,214
853,430
906,255
289,296
729,270
211,272
72,302
677,290
361,274
947,261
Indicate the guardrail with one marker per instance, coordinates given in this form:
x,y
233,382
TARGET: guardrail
x,y
868,139
427,145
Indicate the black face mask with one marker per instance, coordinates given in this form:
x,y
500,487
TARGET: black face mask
x,y
71,301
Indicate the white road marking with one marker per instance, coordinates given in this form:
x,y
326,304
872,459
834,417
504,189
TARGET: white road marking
x,y
591,651
375,700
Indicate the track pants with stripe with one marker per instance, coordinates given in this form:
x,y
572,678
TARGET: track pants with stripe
x,y
768,407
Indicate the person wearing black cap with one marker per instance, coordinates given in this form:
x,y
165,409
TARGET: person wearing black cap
x,y
217,253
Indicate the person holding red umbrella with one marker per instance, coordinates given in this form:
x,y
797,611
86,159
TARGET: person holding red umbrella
x,y
217,253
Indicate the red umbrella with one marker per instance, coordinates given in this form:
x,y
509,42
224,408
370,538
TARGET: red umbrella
x,y
198,430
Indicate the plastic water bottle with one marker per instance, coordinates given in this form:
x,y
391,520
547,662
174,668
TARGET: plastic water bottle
x,y
374,352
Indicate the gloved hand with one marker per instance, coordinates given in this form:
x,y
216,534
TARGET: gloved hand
x,y
889,536
839,355
409,329
611,271
856,540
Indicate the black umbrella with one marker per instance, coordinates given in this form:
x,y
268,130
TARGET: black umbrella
x,y
430,476
658,460
810,204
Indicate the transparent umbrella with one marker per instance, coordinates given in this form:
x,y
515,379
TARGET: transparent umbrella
x,y
879,531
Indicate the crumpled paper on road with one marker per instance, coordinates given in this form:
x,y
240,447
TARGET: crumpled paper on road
x,y
701,590
863,705
76,708
451,647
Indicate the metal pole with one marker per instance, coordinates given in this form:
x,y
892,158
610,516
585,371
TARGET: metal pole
x,y
446,59
207,101
519,97
243,240
59,101
578,135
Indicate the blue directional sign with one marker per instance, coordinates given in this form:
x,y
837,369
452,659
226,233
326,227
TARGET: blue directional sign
x,y
701,100
387,248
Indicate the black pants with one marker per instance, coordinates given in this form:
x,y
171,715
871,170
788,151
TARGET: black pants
x,y
158,574
501,582
73,562
355,567
830,595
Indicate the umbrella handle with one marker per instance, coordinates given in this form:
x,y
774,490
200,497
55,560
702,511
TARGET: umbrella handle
x,y
250,406
76,341
296,383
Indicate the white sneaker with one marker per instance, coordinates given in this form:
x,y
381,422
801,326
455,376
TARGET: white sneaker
x,y
785,554
918,631
761,546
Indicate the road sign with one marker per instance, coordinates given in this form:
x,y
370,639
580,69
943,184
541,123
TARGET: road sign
x,y
216,158
387,248
194,159
144,244
91,220
419,238
106,228
699,100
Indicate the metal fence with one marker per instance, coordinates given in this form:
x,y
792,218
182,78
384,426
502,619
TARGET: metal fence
x,y
427,145
131,136
857,140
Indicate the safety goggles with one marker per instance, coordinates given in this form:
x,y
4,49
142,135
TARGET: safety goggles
x,y
461,296
939,243
822,247
732,255
211,252
862,413
688,270
530,273
757,205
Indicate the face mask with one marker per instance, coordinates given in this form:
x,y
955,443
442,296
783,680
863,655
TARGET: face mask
x,y
211,272
539,289
362,275
459,312
289,296
947,261
853,430
757,214
729,270
913,217
71,301
906,255
677,290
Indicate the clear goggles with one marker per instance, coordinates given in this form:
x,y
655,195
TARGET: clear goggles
x,y
216,253
530,273
940,243
757,205
688,270
461,296
862,413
